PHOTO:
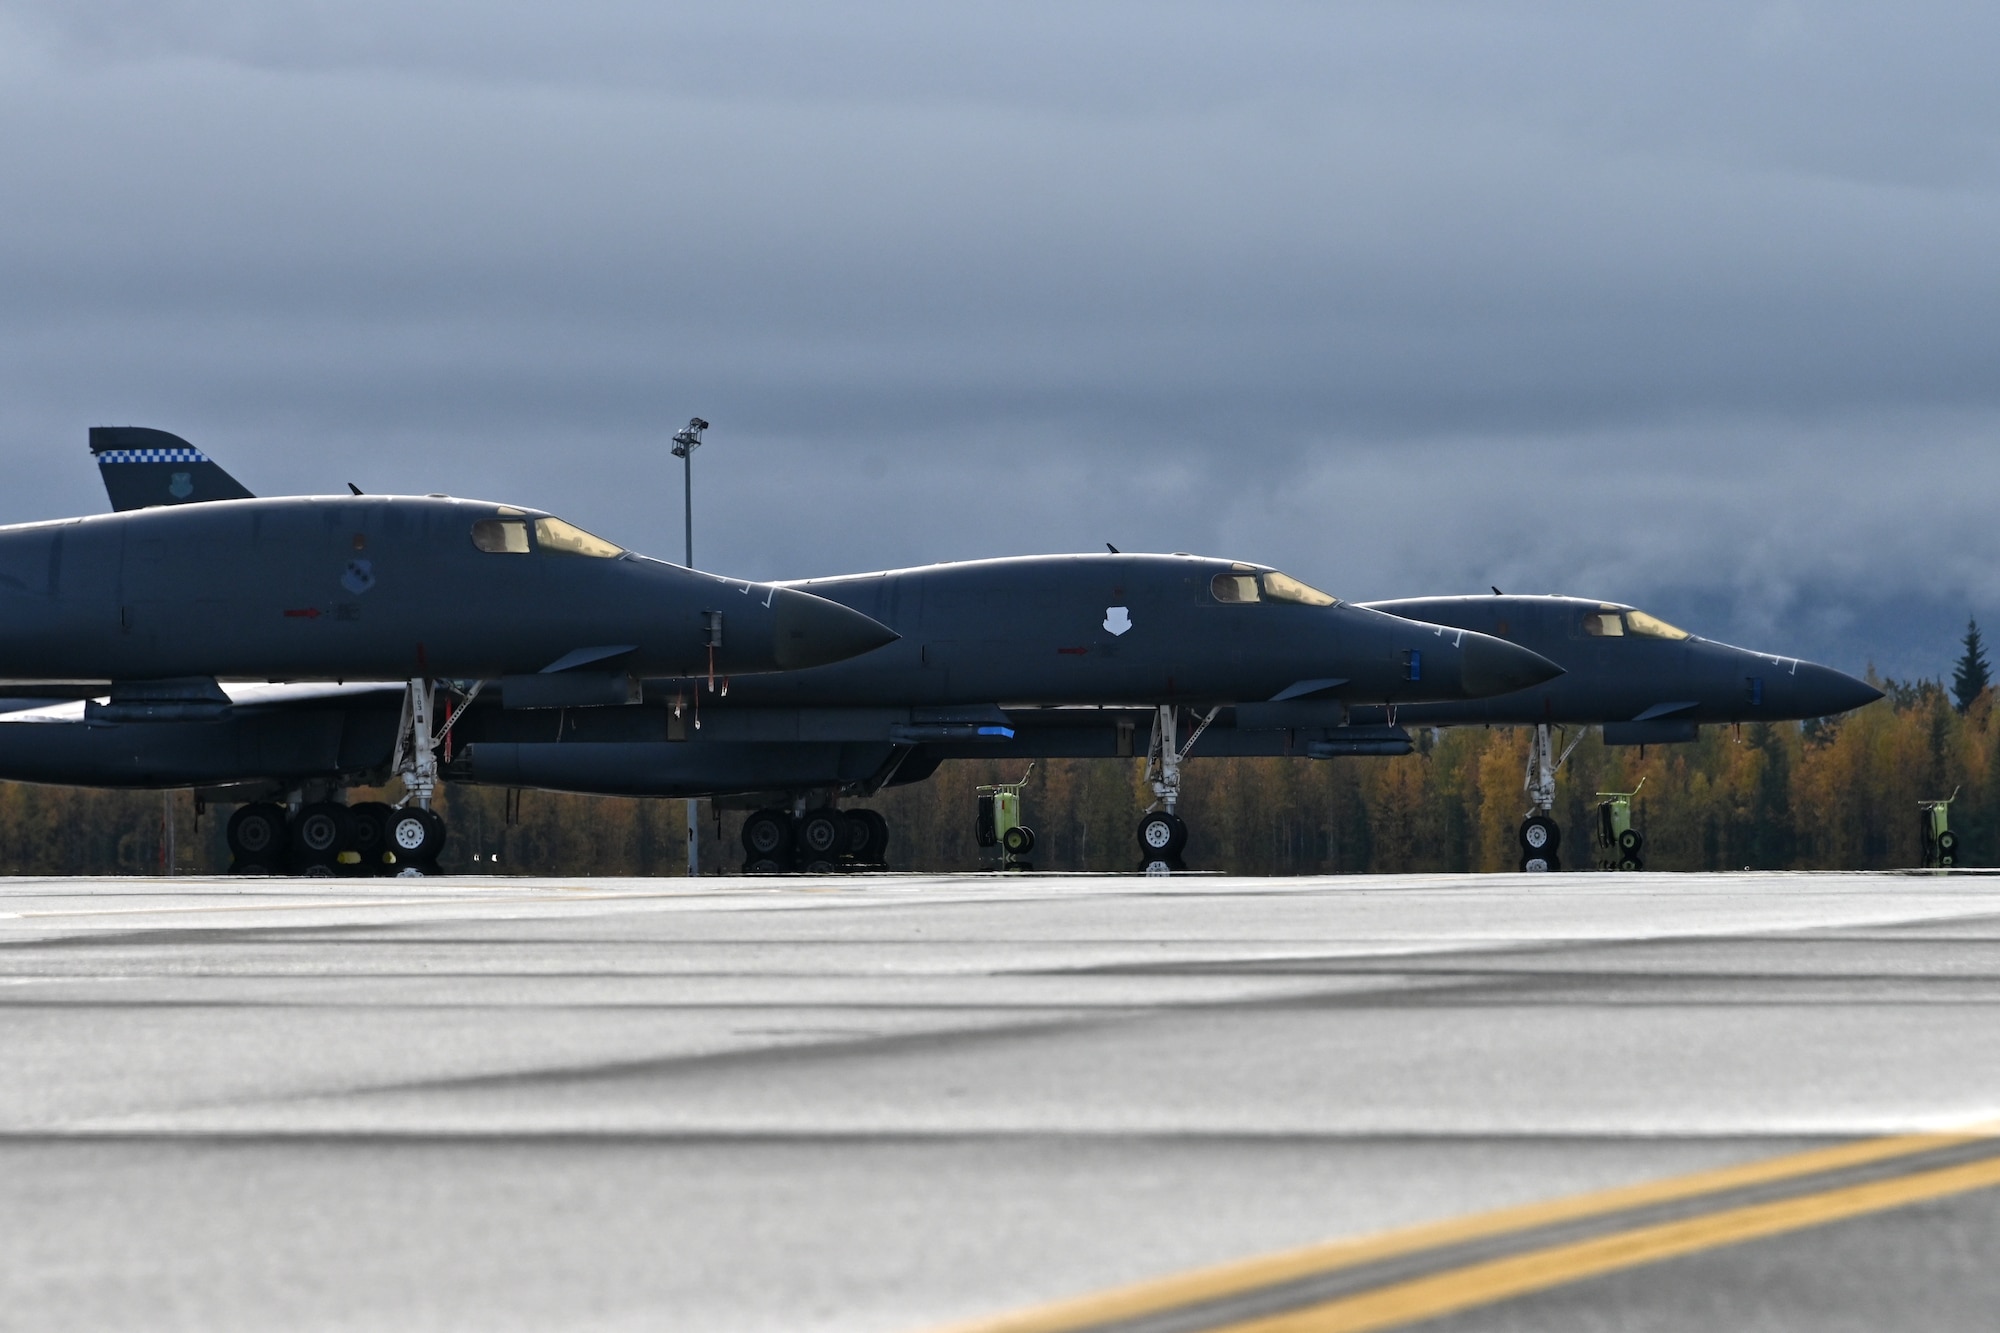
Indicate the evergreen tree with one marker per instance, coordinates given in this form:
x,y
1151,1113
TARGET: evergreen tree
x,y
1971,676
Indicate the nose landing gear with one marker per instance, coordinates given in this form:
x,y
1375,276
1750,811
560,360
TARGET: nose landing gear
x,y
1541,836
1163,834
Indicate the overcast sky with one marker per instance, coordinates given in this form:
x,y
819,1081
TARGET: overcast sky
x,y
1692,306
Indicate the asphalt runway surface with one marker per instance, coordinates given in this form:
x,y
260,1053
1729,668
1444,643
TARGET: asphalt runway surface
x,y
1579,1101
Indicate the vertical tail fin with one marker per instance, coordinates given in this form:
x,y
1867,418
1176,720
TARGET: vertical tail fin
x,y
143,467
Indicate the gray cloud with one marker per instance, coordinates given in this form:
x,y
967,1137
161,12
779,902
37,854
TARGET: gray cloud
x,y
1691,307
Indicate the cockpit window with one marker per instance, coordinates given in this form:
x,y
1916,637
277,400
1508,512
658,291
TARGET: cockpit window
x,y
552,534
1603,623
501,536
1234,587
1244,584
1652,627
1284,588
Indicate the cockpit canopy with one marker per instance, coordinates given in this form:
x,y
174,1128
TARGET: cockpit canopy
x,y
1244,583
1612,622
508,535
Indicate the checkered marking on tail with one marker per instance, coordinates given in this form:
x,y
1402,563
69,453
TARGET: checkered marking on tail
x,y
189,455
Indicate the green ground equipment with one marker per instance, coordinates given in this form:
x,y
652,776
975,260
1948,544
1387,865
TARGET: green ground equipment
x,y
1940,843
1000,828
1618,843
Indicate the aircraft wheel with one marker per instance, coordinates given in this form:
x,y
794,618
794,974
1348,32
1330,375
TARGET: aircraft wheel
x,y
1160,865
257,833
415,836
822,835
323,829
1631,863
1019,841
371,834
1947,842
1162,834
1539,835
873,848
1535,863
1630,841
767,834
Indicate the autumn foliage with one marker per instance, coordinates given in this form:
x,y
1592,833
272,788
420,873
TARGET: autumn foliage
x,y
1828,795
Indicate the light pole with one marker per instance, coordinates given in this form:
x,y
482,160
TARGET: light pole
x,y
686,441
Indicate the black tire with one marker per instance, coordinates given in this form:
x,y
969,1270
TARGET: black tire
x,y
1631,863
371,835
1540,836
1019,841
1630,841
1160,865
258,834
874,850
424,869
1541,863
415,837
1946,860
821,835
767,834
1161,835
322,830
1947,842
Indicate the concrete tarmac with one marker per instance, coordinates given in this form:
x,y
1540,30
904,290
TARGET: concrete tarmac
x,y
894,1103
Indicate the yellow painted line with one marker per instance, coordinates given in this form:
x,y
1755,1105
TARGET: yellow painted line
x,y
1500,1279
1169,1293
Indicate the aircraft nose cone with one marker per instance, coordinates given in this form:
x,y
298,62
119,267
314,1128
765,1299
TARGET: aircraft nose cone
x,y
1822,691
1495,666
810,631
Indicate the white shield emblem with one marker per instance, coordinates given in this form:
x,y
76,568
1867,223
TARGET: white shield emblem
x,y
1117,619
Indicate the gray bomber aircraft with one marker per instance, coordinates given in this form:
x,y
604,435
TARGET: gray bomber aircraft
x,y
154,615
1180,637
1643,681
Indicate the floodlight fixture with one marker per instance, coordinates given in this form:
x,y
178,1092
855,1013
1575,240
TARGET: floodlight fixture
x,y
688,439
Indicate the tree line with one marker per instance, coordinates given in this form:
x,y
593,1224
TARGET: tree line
x,y
1824,795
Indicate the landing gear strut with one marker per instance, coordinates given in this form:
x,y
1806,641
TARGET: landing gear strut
x,y
1162,832
320,834
412,833
1541,836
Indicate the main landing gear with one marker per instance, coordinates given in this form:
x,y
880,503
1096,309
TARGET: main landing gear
x,y
1163,833
326,836
329,837
1541,836
824,841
